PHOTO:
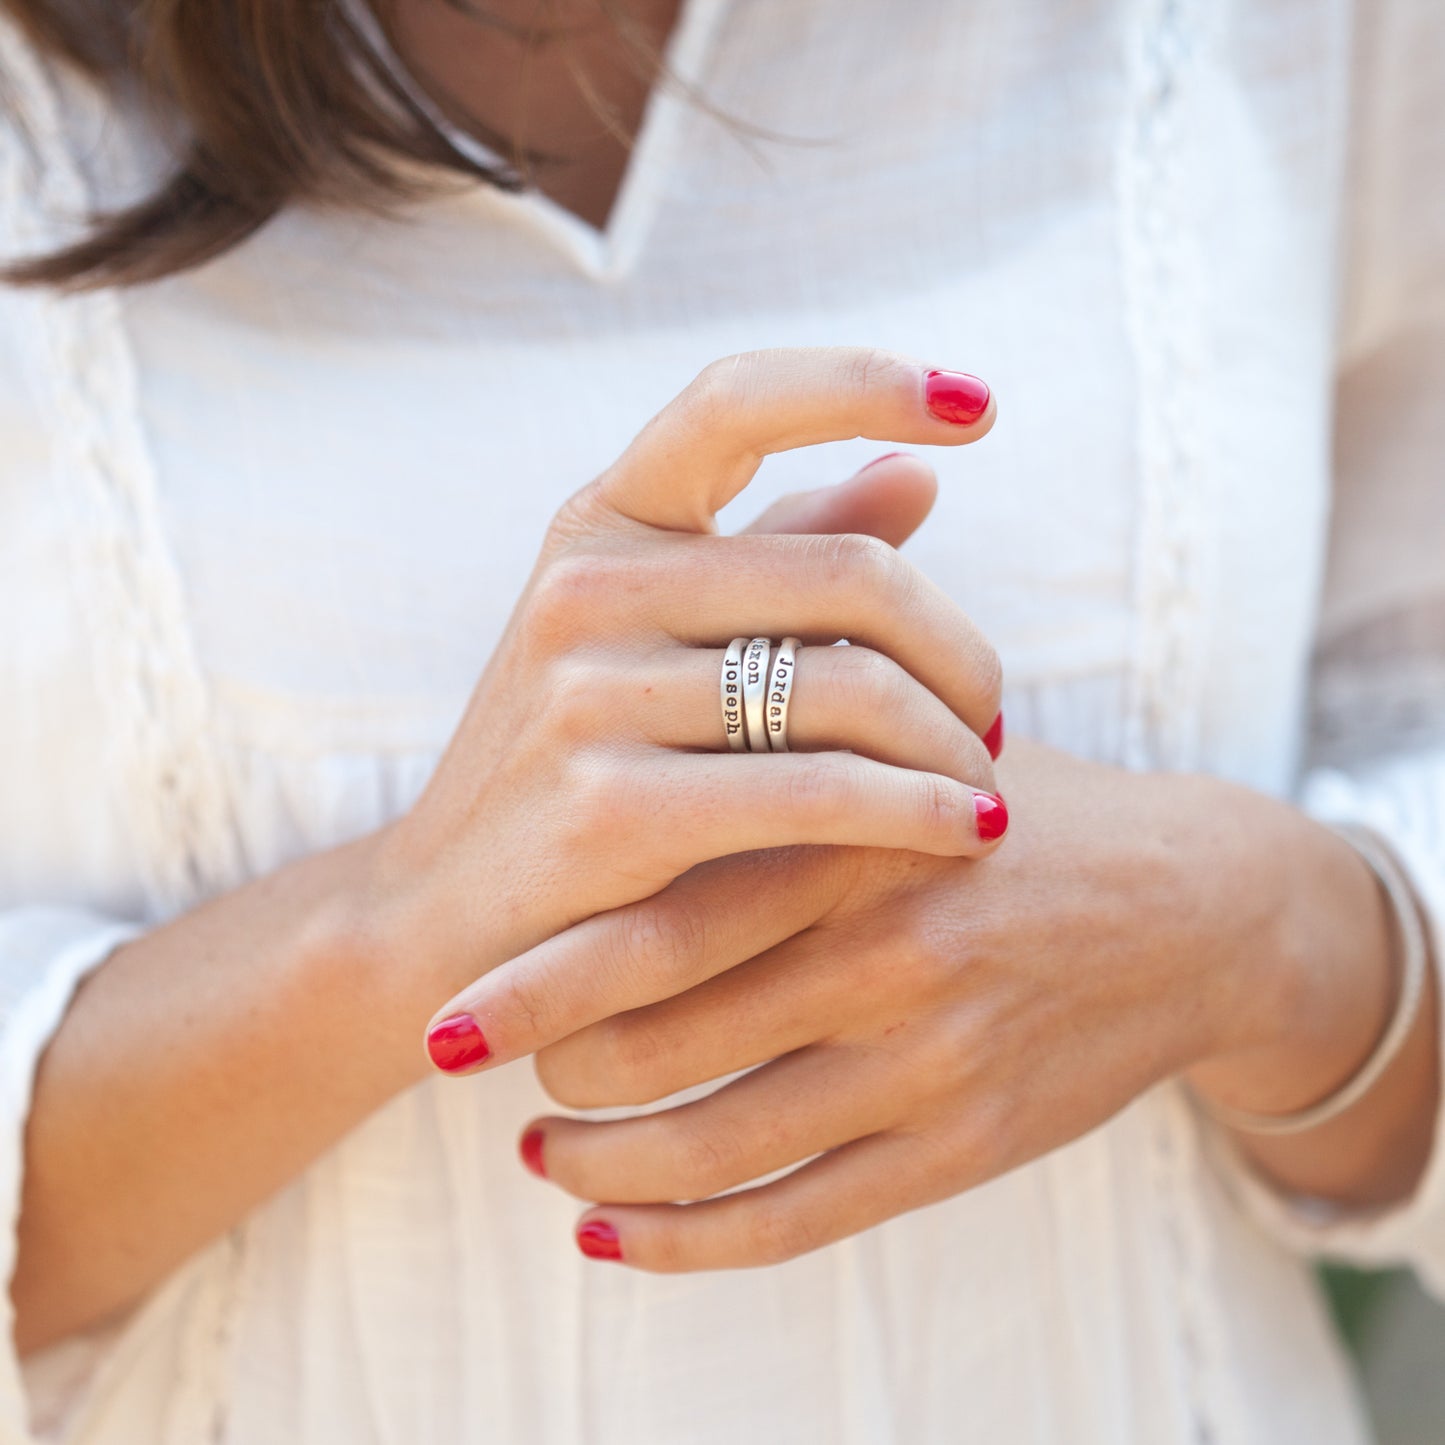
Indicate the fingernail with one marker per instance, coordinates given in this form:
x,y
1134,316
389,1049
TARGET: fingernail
x,y
878,461
531,1152
992,815
598,1240
956,397
457,1043
993,738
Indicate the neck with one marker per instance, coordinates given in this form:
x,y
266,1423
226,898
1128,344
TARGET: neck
x,y
563,83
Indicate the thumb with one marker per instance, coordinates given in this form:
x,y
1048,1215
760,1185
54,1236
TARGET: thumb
x,y
888,499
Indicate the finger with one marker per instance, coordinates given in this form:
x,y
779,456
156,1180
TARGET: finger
x,y
822,588
703,448
848,1190
715,805
632,956
757,801
887,499
702,591
842,698
762,1008
768,1120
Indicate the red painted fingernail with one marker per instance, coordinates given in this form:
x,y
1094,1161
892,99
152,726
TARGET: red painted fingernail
x,y
598,1240
956,397
457,1043
531,1152
878,461
993,738
992,816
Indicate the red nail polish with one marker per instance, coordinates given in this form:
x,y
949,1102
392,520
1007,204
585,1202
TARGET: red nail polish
x,y
457,1043
993,738
598,1240
956,397
878,461
992,815
531,1152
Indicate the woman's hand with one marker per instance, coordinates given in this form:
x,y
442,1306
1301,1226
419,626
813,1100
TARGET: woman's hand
x,y
591,769
227,1048
946,1021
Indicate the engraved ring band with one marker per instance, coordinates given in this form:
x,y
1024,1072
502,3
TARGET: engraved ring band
x,y
756,689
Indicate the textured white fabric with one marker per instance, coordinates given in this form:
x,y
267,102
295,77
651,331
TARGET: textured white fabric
x,y
260,526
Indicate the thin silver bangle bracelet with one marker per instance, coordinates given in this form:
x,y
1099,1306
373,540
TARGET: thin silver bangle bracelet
x,y
1414,960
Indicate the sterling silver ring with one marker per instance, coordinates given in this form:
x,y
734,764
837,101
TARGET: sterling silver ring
x,y
780,693
732,695
755,691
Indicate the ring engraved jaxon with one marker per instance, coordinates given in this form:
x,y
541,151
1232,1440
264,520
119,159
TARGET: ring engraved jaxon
x,y
732,695
755,688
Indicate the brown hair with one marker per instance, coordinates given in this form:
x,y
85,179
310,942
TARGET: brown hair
x,y
279,100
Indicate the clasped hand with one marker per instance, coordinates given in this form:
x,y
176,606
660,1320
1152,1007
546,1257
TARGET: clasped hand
x,y
913,1018
936,1023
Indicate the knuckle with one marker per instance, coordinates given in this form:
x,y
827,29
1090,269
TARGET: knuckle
x,y
532,1003
820,791
868,682
668,1249
937,1166
776,1234
705,1160
946,810
987,668
711,398
566,597
565,1078
661,941
578,517
870,368
987,1142
923,961
637,1056
599,813
577,689
973,765
877,569
611,1064
858,555
598,793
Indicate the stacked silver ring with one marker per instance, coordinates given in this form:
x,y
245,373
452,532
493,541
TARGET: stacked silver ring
x,y
732,695
755,695
755,689
780,693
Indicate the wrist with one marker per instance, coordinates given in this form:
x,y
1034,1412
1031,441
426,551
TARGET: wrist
x,y
1314,984
361,960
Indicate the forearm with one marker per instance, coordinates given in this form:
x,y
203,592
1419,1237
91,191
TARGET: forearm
x,y
1333,961
197,1071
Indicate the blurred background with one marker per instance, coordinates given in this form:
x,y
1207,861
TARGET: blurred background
x,y
1397,1334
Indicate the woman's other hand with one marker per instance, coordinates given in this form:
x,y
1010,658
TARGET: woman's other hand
x,y
946,1020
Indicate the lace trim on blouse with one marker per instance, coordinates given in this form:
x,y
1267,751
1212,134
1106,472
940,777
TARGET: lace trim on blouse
x,y
174,773
1164,296
177,785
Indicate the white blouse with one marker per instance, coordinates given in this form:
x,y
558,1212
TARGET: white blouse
x,y
261,524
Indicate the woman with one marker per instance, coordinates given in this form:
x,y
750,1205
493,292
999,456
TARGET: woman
x,y
273,464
